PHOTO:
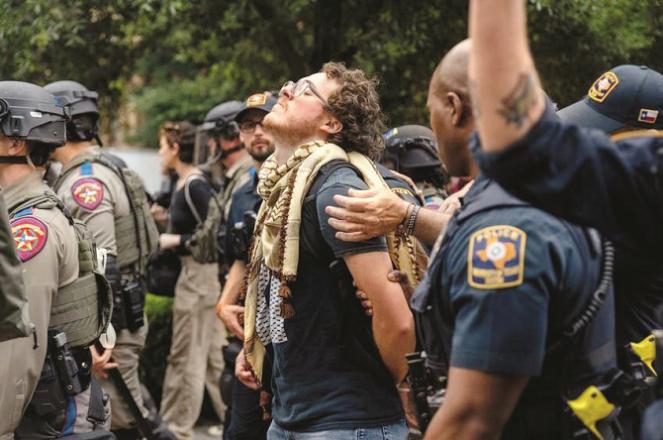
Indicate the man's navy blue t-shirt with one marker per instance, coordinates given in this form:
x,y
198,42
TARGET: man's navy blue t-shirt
x,y
328,374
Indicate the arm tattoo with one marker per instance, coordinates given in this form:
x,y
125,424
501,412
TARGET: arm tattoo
x,y
519,102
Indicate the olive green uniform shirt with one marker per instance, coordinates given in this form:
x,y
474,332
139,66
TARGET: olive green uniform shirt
x,y
50,264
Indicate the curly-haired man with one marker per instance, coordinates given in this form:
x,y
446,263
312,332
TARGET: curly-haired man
x,y
335,369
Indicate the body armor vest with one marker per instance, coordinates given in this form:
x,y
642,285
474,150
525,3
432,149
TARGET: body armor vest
x,y
81,309
136,234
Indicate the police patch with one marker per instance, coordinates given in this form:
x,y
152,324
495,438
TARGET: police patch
x,y
496,257
603,86
30,235
88,192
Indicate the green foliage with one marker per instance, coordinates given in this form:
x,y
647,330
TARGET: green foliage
x,y
154,357
175,59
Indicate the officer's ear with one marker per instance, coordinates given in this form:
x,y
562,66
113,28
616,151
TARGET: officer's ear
x,y
18,147
456,107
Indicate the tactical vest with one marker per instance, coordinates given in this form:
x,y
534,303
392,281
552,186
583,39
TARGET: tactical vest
x,y
81,309
540,410
136,233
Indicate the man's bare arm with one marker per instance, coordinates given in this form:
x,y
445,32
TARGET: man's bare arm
x,y
476,406
393,325
227,309
504,84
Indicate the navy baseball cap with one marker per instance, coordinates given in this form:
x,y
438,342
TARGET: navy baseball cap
x,y
624,96
260,101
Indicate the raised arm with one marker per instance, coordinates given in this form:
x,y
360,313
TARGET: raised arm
x,y
578,174
504,84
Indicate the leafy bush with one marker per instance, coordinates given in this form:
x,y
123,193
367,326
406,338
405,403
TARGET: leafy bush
x,y
154,358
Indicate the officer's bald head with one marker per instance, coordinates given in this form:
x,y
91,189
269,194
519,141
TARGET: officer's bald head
x,y
451,73
450,109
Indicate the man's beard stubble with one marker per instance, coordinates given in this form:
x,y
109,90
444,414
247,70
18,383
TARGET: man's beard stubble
x,y
289,133
260,155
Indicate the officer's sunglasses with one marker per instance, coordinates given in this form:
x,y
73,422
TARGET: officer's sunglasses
x,y
293,89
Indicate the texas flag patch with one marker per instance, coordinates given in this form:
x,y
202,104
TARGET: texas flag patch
x,y
648,116
30,235
88,192
496,257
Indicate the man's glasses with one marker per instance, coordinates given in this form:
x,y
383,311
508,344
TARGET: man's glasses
x,y
248,127
295,89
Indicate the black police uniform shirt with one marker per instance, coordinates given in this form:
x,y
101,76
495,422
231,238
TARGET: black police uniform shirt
x,y
182,220
582,175
615,187
504,283
245,198
327,371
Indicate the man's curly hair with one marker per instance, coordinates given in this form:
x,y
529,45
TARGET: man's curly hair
x,y
356,104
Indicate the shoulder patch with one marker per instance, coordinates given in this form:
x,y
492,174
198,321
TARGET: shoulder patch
x,y
603,87
30,235
496,257
88,192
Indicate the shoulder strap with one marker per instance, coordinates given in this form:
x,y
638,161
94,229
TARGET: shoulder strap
x,y
81,158
189,200
46,200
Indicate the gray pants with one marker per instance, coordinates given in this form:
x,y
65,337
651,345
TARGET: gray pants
x,y
195,361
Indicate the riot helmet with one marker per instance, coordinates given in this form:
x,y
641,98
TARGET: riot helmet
x,y
412,150
30,113
220,120
82,109
219,125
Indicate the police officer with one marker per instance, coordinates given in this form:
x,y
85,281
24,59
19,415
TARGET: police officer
x,y
69,300
516,307
411,150
110,200
612,185
246,416
629,103
228,163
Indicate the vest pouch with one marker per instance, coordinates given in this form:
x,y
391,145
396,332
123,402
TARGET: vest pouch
x,y
76,311
125,233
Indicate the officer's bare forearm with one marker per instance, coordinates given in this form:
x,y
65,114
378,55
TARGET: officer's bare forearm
x,y
477,405
393,325
504,84
429,225
233,285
